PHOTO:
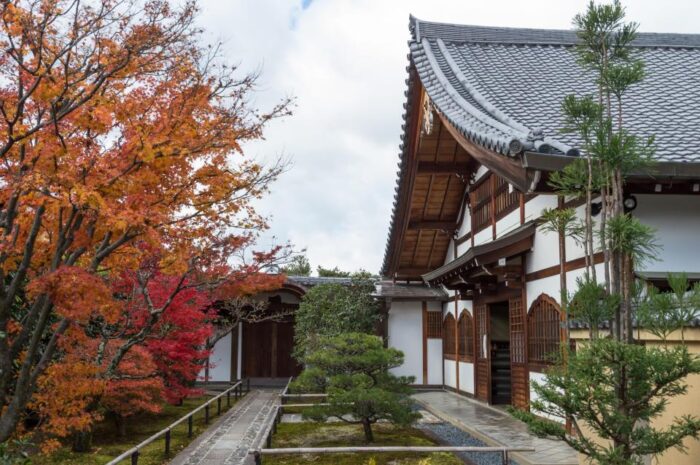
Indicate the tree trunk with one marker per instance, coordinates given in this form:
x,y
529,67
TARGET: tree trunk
x,y
367,427
120,423
82,441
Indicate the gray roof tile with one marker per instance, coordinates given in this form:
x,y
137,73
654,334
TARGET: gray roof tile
x,y
497,85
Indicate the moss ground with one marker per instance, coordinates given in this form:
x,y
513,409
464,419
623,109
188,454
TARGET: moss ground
x,y
339,434
107,445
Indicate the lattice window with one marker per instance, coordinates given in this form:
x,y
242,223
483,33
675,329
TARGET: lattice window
x,y
517,331
544,330
466,337
434,330
506,200
491,199
480,198
482,314
448,339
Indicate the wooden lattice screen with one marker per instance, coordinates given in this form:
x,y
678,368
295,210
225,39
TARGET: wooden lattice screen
x,y
482,368
448,338
544,335
466,337
506,198
485,208
520,390
481,204
434,330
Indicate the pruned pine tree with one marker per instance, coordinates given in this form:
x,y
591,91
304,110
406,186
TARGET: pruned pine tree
x,y
353,369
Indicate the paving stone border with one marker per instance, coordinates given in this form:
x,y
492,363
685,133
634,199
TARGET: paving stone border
x,y
228,441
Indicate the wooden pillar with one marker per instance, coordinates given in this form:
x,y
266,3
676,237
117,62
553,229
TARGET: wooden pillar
x,y
522,208
234,354
425,342
525,309
273,355
492,181
457,340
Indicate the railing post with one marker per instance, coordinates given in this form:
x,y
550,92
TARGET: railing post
x,y
258,457
167,443
228,398
190,422
206,414
218,406
269,440
505,457
135,457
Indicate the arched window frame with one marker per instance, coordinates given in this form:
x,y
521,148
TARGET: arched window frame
x,y
465,330
544,334
449,342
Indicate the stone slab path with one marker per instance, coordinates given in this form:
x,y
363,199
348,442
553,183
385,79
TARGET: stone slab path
x,y
496,428
228,441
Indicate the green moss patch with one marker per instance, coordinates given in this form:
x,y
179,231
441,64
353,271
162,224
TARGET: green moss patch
x,y
343,435
107,444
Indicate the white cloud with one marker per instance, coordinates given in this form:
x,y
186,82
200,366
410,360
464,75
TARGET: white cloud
x,y
344,61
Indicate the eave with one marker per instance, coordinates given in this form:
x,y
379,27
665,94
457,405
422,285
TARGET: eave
x,y
478,266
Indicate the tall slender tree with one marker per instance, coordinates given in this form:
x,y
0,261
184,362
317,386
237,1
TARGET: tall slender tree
x,y
612,390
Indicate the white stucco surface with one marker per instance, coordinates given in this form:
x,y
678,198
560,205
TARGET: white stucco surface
x,y
450,373
434,361
466,377
508,223
405,328
676,219
220,360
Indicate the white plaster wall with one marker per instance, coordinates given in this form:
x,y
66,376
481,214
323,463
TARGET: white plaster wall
x,y
534,207
466,377
450,373
676,219
450,252
467,305
483,236
508,223
466,224
545,251
435,361
540,378
220,360
535,378
550,285
405,328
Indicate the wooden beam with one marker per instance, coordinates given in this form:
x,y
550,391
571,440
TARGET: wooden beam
x,y
432,225
428,167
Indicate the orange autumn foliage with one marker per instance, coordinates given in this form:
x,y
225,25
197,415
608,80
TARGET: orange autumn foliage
x,y
120,137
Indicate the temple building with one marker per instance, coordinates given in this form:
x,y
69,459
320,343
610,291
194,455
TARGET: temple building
x,y
471,283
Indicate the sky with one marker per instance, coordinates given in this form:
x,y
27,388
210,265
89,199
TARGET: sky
x,y
344,63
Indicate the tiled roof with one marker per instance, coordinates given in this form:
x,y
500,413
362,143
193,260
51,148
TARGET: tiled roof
x,y
503,89
389,289
311,281
503,86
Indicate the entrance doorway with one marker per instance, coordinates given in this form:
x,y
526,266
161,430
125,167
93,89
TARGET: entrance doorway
x,y
500,353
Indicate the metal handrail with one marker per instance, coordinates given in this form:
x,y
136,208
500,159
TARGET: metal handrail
x,y
504,451
134,451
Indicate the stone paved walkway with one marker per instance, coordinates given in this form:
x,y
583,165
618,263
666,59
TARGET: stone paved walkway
x,y
496,428
228,441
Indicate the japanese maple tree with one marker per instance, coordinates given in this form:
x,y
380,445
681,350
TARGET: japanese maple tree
x,y
118,129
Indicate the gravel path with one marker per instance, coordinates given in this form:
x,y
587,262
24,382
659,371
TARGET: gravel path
x,y
449,435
